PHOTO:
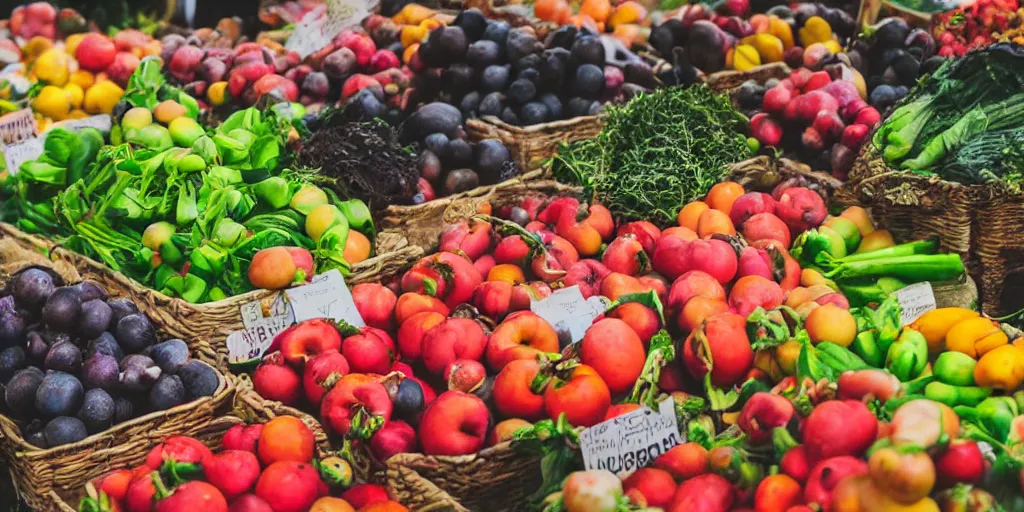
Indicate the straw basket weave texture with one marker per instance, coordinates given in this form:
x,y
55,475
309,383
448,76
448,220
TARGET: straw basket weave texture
x,y
212,320
981,223
422,225
724,81
532,145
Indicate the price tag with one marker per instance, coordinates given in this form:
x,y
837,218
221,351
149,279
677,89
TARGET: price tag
x,y
321,25
629,442
17,126
21,152
252,342
916,300
273,306
100,122
326,296
566,309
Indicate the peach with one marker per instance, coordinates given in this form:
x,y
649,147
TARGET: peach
x,y
714,222
878,239
393,438
689,215
790,268
684,461
620,409
600,218
273,269
587,274
748,205
679,232
752,292
409,304
642,319
801,209
801,295
766,226
626,255
836,299
484,264
667,259
455,338
616,285
472,237
465,375
454,424
511,249
831,323
505,430
698,309
615,351
370,351
506,272
523,294
811,277
645,232
376,304
448,276
861,218
657,283
523,336
694,284
412,332
777,493
721,343
656,485
715,257
353,392
584,237
513,393
493,298
754,262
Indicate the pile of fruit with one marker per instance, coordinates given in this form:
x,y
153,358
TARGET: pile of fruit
x,y
976,25
268,466
892,59
74,362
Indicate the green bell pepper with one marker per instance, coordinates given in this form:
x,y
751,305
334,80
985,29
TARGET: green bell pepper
x,y
956,395
865,346
994,414
908,356
955,368
274,191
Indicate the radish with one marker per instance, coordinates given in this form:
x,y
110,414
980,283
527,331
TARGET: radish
x,y
829,125
766,129
776,99
855,135
817,80
868,116
813,102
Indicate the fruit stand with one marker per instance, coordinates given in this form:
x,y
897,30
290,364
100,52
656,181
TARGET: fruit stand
x,y
557,256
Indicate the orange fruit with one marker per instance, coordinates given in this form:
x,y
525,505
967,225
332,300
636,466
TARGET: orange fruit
x,y
690,215
384,506
507,272
285,438
714,222
357,247
330,504
723,195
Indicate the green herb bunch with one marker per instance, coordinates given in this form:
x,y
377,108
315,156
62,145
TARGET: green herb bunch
x,y
657,152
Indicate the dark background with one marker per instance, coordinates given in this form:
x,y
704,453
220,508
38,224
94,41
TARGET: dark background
x,y
116,12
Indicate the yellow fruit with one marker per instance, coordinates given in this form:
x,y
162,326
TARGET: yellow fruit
x,y
52,102
82,78
71,43
77,114
745,58
833,46
167,111
52,67
101,98
936,323
217,93
75,95
769,47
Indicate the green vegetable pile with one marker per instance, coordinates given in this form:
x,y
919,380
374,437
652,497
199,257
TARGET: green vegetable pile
x,y
179,208
965,123
657,152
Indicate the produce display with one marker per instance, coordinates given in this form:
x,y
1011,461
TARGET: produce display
x,y
262,466
76,362
695,252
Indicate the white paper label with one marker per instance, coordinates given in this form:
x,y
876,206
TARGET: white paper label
x,y
21,152
253,312
320,26
326,296
629,442
100,122
916,300
17,126
253,342
566,309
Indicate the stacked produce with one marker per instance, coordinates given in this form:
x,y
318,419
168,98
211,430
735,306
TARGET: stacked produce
x,y
714,41
268,466
975,26
699,134
181,209
75,362
490,69
964,123
892,58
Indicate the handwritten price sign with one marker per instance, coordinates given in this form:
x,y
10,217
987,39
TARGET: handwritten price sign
x,y
253,342
632,441
566,309
326,296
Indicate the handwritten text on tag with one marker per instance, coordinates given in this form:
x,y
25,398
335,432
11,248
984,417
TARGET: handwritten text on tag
x,y
629,442
252,342
21,152
326,296
916,300
566,309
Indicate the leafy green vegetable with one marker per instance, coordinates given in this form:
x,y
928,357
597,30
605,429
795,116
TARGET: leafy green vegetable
x,y
657,152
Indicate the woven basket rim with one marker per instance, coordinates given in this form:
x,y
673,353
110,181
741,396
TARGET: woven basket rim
x,y
224,387
870,153
561,124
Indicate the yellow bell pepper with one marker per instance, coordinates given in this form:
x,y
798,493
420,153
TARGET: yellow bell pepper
x,y
101,97
52,102
780,29
975,336
815,30
1001,368
413,14
218,94
936,323
833,46
745,58
768,47
412,34
52,67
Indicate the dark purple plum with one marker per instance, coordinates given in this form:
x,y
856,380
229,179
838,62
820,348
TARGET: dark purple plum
x,y
97,411
64,357
167,392
121,308
124,410
64,430
20,392
12,359
139,372
96,318
105,344
199,379
63,309
13,323
36,347
31,287
170,355
91,290
101,371
134,333
60,394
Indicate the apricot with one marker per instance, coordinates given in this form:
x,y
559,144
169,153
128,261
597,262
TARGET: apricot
x,y
685,234
698,309
831,323
357,247
330,504
802,295
846,229
690,214
272,269
506,272
777,493
505,430
642,319
879,239
810,277
861,218
167,111
722,196
714,222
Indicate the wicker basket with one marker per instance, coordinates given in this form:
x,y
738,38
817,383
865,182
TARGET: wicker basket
x,y
764,173
37,474
724,81
212,320
981,223
532,145
422,225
